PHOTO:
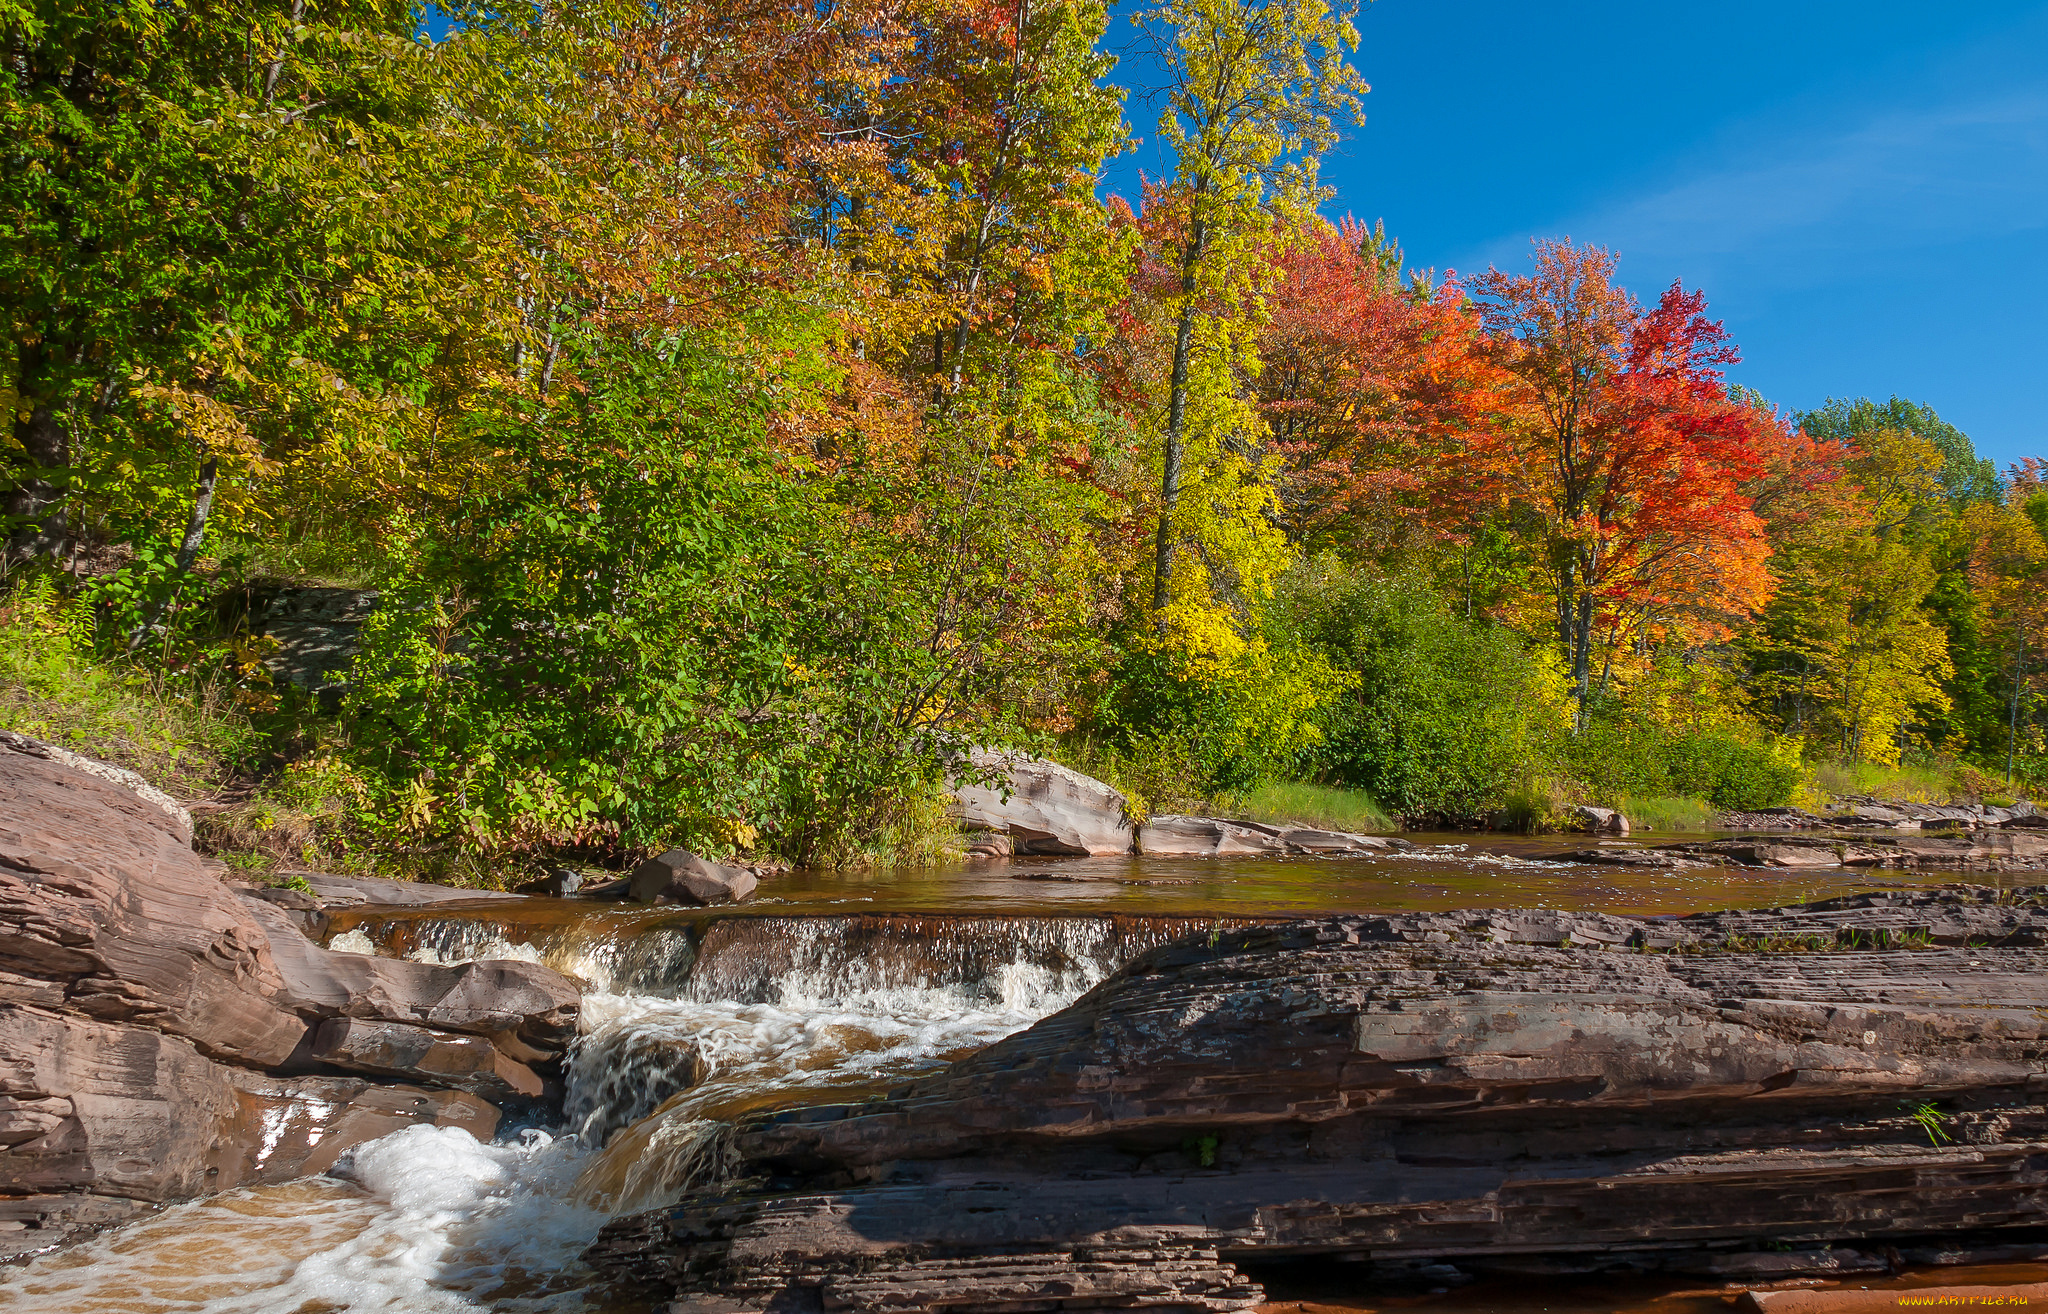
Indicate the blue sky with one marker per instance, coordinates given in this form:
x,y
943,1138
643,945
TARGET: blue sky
x,y
1860,188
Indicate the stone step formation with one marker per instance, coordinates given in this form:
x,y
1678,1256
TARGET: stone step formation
x,y
164,1035
1519,1090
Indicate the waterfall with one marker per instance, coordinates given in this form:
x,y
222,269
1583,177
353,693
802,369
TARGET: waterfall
x,y
695,1020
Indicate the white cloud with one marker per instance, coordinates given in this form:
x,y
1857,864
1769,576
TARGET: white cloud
x,y
1804,200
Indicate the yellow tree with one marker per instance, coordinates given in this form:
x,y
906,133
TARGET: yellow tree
x,y
1252,91
1846,651
2009,572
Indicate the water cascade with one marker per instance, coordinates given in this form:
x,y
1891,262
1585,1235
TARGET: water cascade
x,y
695,1018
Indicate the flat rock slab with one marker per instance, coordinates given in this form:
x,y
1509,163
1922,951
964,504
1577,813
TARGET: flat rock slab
x,y
174,812
1975,851
1173,836
1690,1093
1304,839
1620,857
391,1049
353,891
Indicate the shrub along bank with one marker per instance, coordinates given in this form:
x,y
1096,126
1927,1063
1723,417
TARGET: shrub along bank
x,y
726,462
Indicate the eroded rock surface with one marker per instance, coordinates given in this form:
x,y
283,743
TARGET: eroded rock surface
x,y
159,1030
1206,837
680,876
1475,1087
1980,850
1042,806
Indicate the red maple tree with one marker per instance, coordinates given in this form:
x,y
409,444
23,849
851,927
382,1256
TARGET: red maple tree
x,y
1365,380
1618,436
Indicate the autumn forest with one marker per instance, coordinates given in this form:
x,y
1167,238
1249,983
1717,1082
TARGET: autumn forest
x,y
739,410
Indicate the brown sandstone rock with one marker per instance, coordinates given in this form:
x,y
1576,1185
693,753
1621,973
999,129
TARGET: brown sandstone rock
x,y
100,1119
1044,807
507,998
142,1003
174,813
1464,1086
470,1063
99,893
680,876
291,1127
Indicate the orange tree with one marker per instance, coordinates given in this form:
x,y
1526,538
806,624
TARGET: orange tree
x,y
1617,441
2009,572
1366,381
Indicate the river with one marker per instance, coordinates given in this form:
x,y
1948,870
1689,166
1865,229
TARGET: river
x,y
827,985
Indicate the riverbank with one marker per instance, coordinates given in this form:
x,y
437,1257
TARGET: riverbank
x,y
262,763
816,1008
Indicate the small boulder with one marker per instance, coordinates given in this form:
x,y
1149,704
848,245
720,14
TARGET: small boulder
x,y
1600,821
558,883
680,876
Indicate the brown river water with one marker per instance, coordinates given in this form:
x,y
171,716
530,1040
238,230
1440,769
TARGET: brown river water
x,y
826,985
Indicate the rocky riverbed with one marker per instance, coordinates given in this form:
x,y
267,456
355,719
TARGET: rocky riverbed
x,y
165,1036
1131,1081
1782,1091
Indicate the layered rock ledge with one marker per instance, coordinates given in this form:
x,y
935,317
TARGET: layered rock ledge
x,y
163,1036
1525,1091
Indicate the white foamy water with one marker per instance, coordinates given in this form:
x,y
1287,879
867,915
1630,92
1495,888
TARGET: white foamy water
x,y
428,1221
425,1220
803,1048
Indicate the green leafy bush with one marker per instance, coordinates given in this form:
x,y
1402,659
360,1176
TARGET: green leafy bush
x,y
1622,755
1178,731
1442,718
668,630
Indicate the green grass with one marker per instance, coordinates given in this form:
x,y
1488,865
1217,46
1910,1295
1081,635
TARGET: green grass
x,y
1661,813
188,735
1940,782
1325,807
187,739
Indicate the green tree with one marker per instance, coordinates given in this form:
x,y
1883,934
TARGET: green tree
x,y
1439,717
2009,571
1846,653
1252,92
1964,476
201,235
